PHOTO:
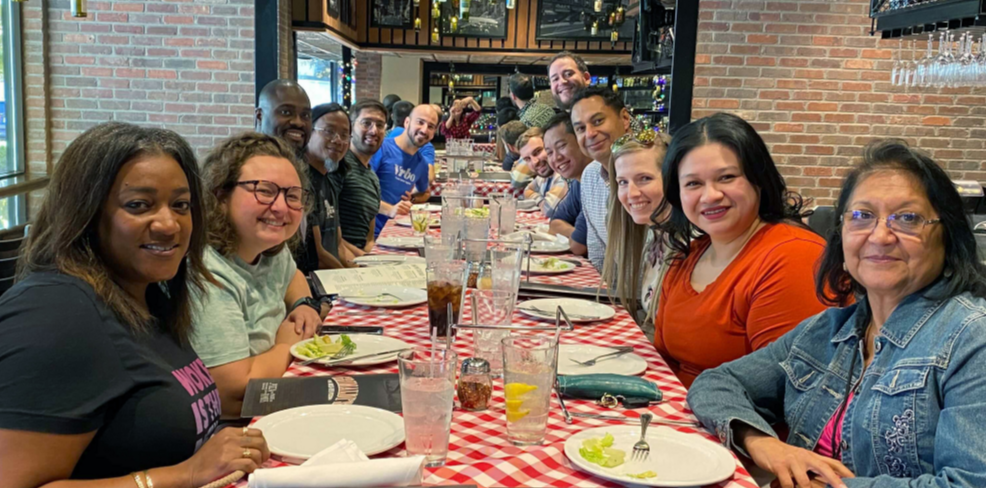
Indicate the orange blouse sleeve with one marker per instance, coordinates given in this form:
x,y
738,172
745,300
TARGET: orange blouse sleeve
x,y
784,294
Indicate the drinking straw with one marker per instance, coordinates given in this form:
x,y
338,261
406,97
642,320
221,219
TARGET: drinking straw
x,y
448,330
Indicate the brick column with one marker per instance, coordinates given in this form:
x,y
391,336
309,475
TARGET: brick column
x,y
367,74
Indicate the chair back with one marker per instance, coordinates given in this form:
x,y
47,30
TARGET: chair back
x,y
823,220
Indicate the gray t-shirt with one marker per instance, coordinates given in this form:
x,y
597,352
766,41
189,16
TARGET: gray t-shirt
x,y
240,318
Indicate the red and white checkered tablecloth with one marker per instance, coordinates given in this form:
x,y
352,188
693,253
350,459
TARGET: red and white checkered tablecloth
x,y
483,188
479,452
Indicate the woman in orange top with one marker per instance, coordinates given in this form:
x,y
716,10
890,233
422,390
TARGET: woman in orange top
x,y
743,270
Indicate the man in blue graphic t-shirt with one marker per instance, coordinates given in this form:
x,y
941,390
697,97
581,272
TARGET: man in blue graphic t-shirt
x,y
401,167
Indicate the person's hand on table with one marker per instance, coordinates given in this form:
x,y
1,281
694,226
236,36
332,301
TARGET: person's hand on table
x,y
231,449
793,466
306,321
403,207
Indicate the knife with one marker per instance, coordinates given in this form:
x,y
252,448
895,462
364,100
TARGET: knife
x,y
348,329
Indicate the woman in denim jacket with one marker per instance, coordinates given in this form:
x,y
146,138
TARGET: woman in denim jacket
x,y
908,356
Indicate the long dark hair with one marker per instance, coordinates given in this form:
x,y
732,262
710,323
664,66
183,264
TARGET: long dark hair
x,y
776,203
964,271
64,236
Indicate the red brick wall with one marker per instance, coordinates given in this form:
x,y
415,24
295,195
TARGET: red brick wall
x,y
815,84
183,66
368,68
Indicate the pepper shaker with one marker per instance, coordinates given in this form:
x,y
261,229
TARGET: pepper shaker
x,y
475,385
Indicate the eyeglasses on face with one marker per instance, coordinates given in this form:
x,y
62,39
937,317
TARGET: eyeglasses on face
x,y
266,193
864,221
332,136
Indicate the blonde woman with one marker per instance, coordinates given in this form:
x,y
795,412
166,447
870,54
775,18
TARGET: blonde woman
x,y
634,262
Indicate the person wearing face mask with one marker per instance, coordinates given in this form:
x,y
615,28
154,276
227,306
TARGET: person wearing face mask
x,y
568,74
547,189
260,304
283,110
740,251
401,167
359,195
323,247
599,118
566,159
887,392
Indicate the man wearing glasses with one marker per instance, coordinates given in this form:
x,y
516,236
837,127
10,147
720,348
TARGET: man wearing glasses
x,y
359,196
324,248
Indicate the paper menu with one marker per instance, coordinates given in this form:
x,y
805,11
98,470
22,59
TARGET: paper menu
x,y
352,280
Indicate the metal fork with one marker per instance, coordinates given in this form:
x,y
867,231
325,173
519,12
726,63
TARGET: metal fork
x,y
592,362
641,449
345,351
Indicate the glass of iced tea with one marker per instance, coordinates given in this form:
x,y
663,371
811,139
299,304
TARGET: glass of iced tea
x,y
444,289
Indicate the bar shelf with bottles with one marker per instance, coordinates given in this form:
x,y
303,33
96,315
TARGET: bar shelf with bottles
x,y
645,96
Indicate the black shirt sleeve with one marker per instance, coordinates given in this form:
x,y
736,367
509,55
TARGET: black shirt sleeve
x,y
59,371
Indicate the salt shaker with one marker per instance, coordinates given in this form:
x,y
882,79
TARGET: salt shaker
x,y
475,385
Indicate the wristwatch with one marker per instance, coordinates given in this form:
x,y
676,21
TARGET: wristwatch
x,y
315,303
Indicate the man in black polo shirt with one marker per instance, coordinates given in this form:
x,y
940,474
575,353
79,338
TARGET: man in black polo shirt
x,y
359,198
328,145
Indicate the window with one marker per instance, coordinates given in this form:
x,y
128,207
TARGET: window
x,y
320,79
13,209
11,94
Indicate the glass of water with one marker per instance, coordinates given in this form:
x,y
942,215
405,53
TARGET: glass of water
x,y
529,366
427,387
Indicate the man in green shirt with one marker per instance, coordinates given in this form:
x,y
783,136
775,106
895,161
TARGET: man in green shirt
x,y
532,114
359,197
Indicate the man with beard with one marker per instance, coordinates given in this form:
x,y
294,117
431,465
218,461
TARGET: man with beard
x,y
359,196
401,166
600,118
567,74
400,112
323,248
547,189
283,110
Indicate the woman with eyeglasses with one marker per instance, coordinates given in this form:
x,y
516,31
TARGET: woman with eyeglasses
x,y
888,392
260,304
634,260
740,254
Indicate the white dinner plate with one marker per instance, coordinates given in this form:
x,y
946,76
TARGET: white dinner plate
x,y
538,267
401,242
365,344
385,296
406,222
579,311
300,433
527,205
540,243
628,364
387,260
430,207
677,458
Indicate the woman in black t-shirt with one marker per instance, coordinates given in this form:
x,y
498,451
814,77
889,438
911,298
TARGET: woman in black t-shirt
x,y
97,378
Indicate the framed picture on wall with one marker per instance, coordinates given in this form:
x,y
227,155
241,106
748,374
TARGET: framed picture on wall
x,y
486,20
562,20
392,13
332,6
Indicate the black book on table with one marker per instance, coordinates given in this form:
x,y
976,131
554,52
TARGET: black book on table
x,y
268,395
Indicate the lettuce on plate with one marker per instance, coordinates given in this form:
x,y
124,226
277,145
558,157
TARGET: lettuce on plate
x,y
598,450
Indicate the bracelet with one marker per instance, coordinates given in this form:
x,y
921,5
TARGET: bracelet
x,y
136,475
147,478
